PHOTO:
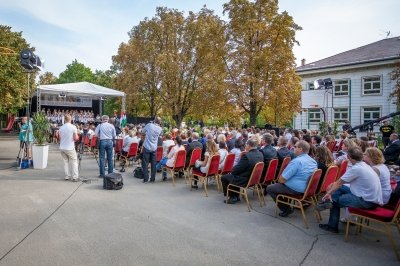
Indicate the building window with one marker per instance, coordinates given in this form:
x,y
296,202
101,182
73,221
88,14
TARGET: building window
x,y
310,86
341,114
314,115
371,85
370,113
341,87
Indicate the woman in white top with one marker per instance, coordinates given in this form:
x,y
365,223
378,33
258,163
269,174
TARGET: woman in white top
x,y
239,147
211,149
223,152
374,157
171,157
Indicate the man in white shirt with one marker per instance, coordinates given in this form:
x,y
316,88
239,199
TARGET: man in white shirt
x,y
364,192
68,136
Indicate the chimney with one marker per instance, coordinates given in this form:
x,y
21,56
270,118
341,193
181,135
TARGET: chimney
x,y
303,62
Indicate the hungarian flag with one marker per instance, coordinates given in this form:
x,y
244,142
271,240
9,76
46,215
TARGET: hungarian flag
x,y
123,119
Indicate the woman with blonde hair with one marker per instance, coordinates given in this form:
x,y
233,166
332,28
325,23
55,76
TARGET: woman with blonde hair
x,y
374,157
211,149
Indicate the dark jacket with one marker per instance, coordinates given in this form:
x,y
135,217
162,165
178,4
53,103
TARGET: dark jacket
x,y
231,144
245,166
189,149
282,153
392,152
269,153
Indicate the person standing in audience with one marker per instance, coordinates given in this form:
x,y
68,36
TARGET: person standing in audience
x,y
68,136
295,177
242,171
106,134
153,132
386,131
364,192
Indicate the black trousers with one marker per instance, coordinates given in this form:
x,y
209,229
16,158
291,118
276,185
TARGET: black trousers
x,y
235,180
149,157
386,141
275,189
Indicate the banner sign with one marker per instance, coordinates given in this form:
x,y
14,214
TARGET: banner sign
x,y
73,101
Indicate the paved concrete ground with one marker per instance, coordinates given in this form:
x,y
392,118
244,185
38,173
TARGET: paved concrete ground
x,y
45,220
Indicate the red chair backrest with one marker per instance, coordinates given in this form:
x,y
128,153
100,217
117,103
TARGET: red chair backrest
x,y
93,142
118,145
271,171
10,123
133,149
196,155
85,140
180,159
313,184
329,178
256,174
342,168
214,165
228,165
159,153
285,163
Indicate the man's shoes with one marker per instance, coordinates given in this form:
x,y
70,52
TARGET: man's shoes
x,y
324,205
145,181
75,179
101,176
286,212
164,178
122,170
66,178
328,228
195,186
152,181
232,200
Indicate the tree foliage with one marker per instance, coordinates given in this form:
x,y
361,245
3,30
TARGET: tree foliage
x,y
260,61
13,80
174,64
47,78
395,76
76,72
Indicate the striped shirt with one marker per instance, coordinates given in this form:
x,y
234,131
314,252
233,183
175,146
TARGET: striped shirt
x,y
107,131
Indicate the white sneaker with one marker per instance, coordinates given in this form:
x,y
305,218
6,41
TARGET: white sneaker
x,y
67,178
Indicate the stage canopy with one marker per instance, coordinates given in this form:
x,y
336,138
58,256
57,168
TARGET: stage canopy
x,y
83,89
80,89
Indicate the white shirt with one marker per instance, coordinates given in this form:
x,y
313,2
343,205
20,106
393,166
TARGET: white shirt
x,y
364,182
384,177
67,132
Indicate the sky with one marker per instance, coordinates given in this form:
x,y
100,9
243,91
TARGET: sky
x,y
92,30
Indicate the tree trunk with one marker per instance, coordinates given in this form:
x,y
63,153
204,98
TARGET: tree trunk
x,y
178,120
253,113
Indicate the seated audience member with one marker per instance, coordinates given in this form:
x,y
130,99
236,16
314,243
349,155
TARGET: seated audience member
x,y
392,151
374,157
128,140
237,150
364,191
223,152
171,157
168,142
211,149
324,159
342,155
316,140
232,140
283,151
295,177
191,146
242,171
292,143
184,138
267,150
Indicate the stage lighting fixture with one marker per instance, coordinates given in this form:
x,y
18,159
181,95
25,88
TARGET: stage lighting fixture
x,y
30,61
323,84
62,95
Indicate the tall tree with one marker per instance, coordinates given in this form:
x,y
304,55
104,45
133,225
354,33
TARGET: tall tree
x,y
76,72
395,76
260,61
47,78
13,80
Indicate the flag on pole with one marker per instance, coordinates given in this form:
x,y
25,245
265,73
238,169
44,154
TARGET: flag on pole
x,y
123,119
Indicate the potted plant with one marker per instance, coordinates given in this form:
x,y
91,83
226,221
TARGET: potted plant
x,y
40,149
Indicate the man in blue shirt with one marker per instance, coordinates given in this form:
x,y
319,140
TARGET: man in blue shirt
x,y
294,178
106,135
149,152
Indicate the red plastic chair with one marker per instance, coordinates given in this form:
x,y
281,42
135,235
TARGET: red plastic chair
x,y
93,143
196,155
381,215
298,200
10,124
269,175
254,183
159,153
179,165
132,152
226,169
342,169
211,172
118,147
285,163
329,178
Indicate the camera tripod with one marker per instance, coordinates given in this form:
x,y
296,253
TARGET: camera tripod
x,y
81,149
25,155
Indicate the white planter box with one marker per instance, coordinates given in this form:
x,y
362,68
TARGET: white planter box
x,y
40,155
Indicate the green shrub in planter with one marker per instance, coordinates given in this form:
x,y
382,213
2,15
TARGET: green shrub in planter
x,y
40,128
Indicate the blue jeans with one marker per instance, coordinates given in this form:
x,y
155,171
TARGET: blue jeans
x,y
160,166
344,198
149,157
106,146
